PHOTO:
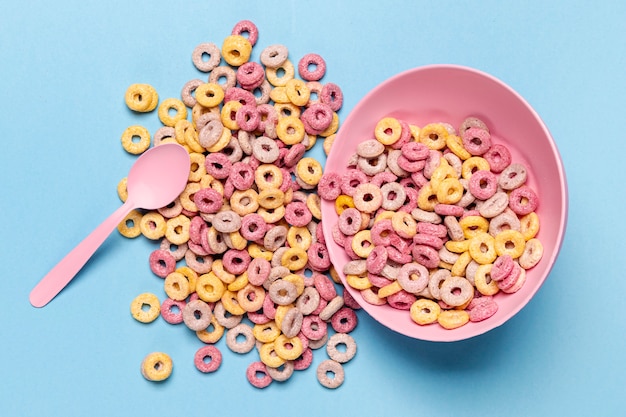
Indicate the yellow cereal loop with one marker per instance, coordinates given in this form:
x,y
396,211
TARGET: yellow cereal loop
x,y
207,181
455,144
309,141
227,115
209,95
473,164
210,288
288,348
237,241
482,248
389,289
452,319
299,237
458,268
309,170
290,130
384,215
434,136
294,259
213,333
424,311
271,215
129,227
427,198
287,110
268,355
141,98
314,204
145,308
244,202
343,202
122,192
279,95
171,111
328,143
236,50
268,176
297,280
177,229
157,366
180,128
473,225
197,169
404,224
415,132
362,243
231,304
442,172
358,282
281,311
222,142
152,225
266,333
257,251
186,196
217,268
450,191
190,275
240,282
458,246
529,225
332,128
271,198
388,130
136,139
297,92
483,282
176,286
277,79
510,242
192,140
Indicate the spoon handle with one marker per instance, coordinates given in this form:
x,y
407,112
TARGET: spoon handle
x,y
68,267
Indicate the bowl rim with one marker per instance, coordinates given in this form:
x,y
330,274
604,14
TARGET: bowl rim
x,y
451,335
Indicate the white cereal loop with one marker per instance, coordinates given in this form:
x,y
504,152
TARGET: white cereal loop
x,y
331,308
330,374
206,49
274,56
308,301
370,149
233,335
341,339
533,252
282,373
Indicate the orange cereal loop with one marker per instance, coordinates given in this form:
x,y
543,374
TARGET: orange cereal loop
x,y
190,275
156,366
141,98
434,136
342,203
231,304
209,95
388,130
171,111
152,225
280,75
529,225
268,176
129,227
415,132
145,308
227,116
297,92
314,204
136,139
122,192
287,110
236,50
358,282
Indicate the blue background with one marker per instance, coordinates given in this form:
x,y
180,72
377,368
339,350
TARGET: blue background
x,y
64,68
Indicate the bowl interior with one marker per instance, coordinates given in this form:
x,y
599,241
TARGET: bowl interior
x,y
450,93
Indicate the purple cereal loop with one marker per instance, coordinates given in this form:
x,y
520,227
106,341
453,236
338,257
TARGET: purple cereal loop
x,y
247,117
495,206
456,291
476,141
499,157
506,220
425,255
332,96
207,48
392,163
227,221
523,200
436,280
197,315
250,75
274,56
172,311
248,26
274,239
266,150
258,271
186,93
319,259
414,151
298,214
483,184
410,284
162,263
401,300
372,166
177,251
315,60
370,149
350,221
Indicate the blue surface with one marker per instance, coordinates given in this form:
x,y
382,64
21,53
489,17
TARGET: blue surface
x,y
64,69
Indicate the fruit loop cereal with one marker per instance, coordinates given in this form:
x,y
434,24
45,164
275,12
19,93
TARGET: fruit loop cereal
x,y
434,221
241,251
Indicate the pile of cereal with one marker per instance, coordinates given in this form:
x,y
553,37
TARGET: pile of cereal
x,y
241,252
435,221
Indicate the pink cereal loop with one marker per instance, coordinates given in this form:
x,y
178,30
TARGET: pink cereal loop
x,y
483,184
332,96
312,60
476,141
523,200
499,157
344,320
244,26
257,375
162,263
324,287
167,311
250,75
208,352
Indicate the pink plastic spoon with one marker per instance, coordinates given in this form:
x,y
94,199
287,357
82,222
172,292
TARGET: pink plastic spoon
x,y
155,180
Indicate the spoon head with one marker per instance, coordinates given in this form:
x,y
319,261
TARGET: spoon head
x,y
158,176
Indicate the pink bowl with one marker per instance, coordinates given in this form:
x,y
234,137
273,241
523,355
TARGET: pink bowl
x,y
450,93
